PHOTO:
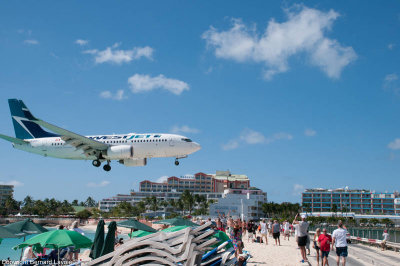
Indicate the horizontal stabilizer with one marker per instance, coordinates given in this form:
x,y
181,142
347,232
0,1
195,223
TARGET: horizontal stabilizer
x,y
13,140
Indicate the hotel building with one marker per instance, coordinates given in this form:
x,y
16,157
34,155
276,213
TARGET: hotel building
x,y
360,201
5,192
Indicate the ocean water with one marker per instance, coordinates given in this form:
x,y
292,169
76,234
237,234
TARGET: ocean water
x,y
7,244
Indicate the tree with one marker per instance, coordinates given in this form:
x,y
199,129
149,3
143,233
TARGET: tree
x,y
334,208
75,202
123,209
84,214
188,201
90,202
374,221
387,222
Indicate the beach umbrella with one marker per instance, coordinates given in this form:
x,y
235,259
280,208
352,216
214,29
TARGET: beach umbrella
x,y
98,241
134,224
222,237
176,221
109,242
57,239
26,227
175,228
7,233
139,233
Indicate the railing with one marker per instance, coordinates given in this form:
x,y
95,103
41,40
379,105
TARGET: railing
x,y
367,233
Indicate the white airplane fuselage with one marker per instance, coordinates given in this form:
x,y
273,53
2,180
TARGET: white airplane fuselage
x,y
142,146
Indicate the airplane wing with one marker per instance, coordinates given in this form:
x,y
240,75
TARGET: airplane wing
x,y
88,146
13,140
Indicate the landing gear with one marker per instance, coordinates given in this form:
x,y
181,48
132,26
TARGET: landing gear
x,y
107,167
96,163
176,162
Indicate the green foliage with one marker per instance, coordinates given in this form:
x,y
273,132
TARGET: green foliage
x,y
284,210
84,214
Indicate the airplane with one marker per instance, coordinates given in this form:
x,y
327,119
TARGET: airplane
x,y
128,149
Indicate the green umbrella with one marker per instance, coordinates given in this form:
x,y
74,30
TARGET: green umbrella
x,y
98,241
136,225
7,233
177,221
57,239
222,237
139,233
109,242
175,228
27,227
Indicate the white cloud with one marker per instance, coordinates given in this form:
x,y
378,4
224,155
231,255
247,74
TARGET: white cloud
x,y
297,189
394,145
113,55
310,132
14,183
251,137
391,83
184,129
144,83
101,184
231,145
81,42
162,179
31,42
119,95
303,32
391,46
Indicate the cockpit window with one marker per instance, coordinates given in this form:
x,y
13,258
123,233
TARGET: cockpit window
x,y
187,140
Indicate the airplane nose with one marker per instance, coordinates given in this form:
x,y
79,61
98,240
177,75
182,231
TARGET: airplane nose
x,y
196,146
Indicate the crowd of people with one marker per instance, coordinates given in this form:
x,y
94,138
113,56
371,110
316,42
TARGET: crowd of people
x,y
259,231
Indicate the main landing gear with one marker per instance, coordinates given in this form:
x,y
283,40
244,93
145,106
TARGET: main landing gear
x,y
176,162
106,167
96,163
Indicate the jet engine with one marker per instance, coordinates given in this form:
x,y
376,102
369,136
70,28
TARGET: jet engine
x,y
119,152
134,162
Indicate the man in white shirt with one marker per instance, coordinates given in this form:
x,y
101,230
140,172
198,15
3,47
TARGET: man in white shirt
x,y
385,236
286,230
301,228
339,240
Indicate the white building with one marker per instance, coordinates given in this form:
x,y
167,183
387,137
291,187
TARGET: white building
x,y
247,205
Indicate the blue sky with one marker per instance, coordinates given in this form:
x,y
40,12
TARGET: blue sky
x,y
293,94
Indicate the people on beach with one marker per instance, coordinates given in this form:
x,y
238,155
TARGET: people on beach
x,y
264,231
28,253
308,244
339,241
276,228
286,230
324,241
316,244
236,237
250,228
385,236
302,228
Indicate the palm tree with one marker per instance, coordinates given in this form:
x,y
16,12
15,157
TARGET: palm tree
x,y
188,200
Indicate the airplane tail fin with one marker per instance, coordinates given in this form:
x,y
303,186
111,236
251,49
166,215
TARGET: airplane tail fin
x,y
22,121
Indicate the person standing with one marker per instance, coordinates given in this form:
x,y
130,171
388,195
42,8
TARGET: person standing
x,y
264,231
250,228
316,244
340,242
236,236
301,227
276,229
385,236
286,230
325,241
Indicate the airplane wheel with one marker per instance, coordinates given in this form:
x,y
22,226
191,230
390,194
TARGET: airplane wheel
x,y
176,162
96,163
107,167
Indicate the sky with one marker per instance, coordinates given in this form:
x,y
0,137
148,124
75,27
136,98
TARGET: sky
x,y
293,94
